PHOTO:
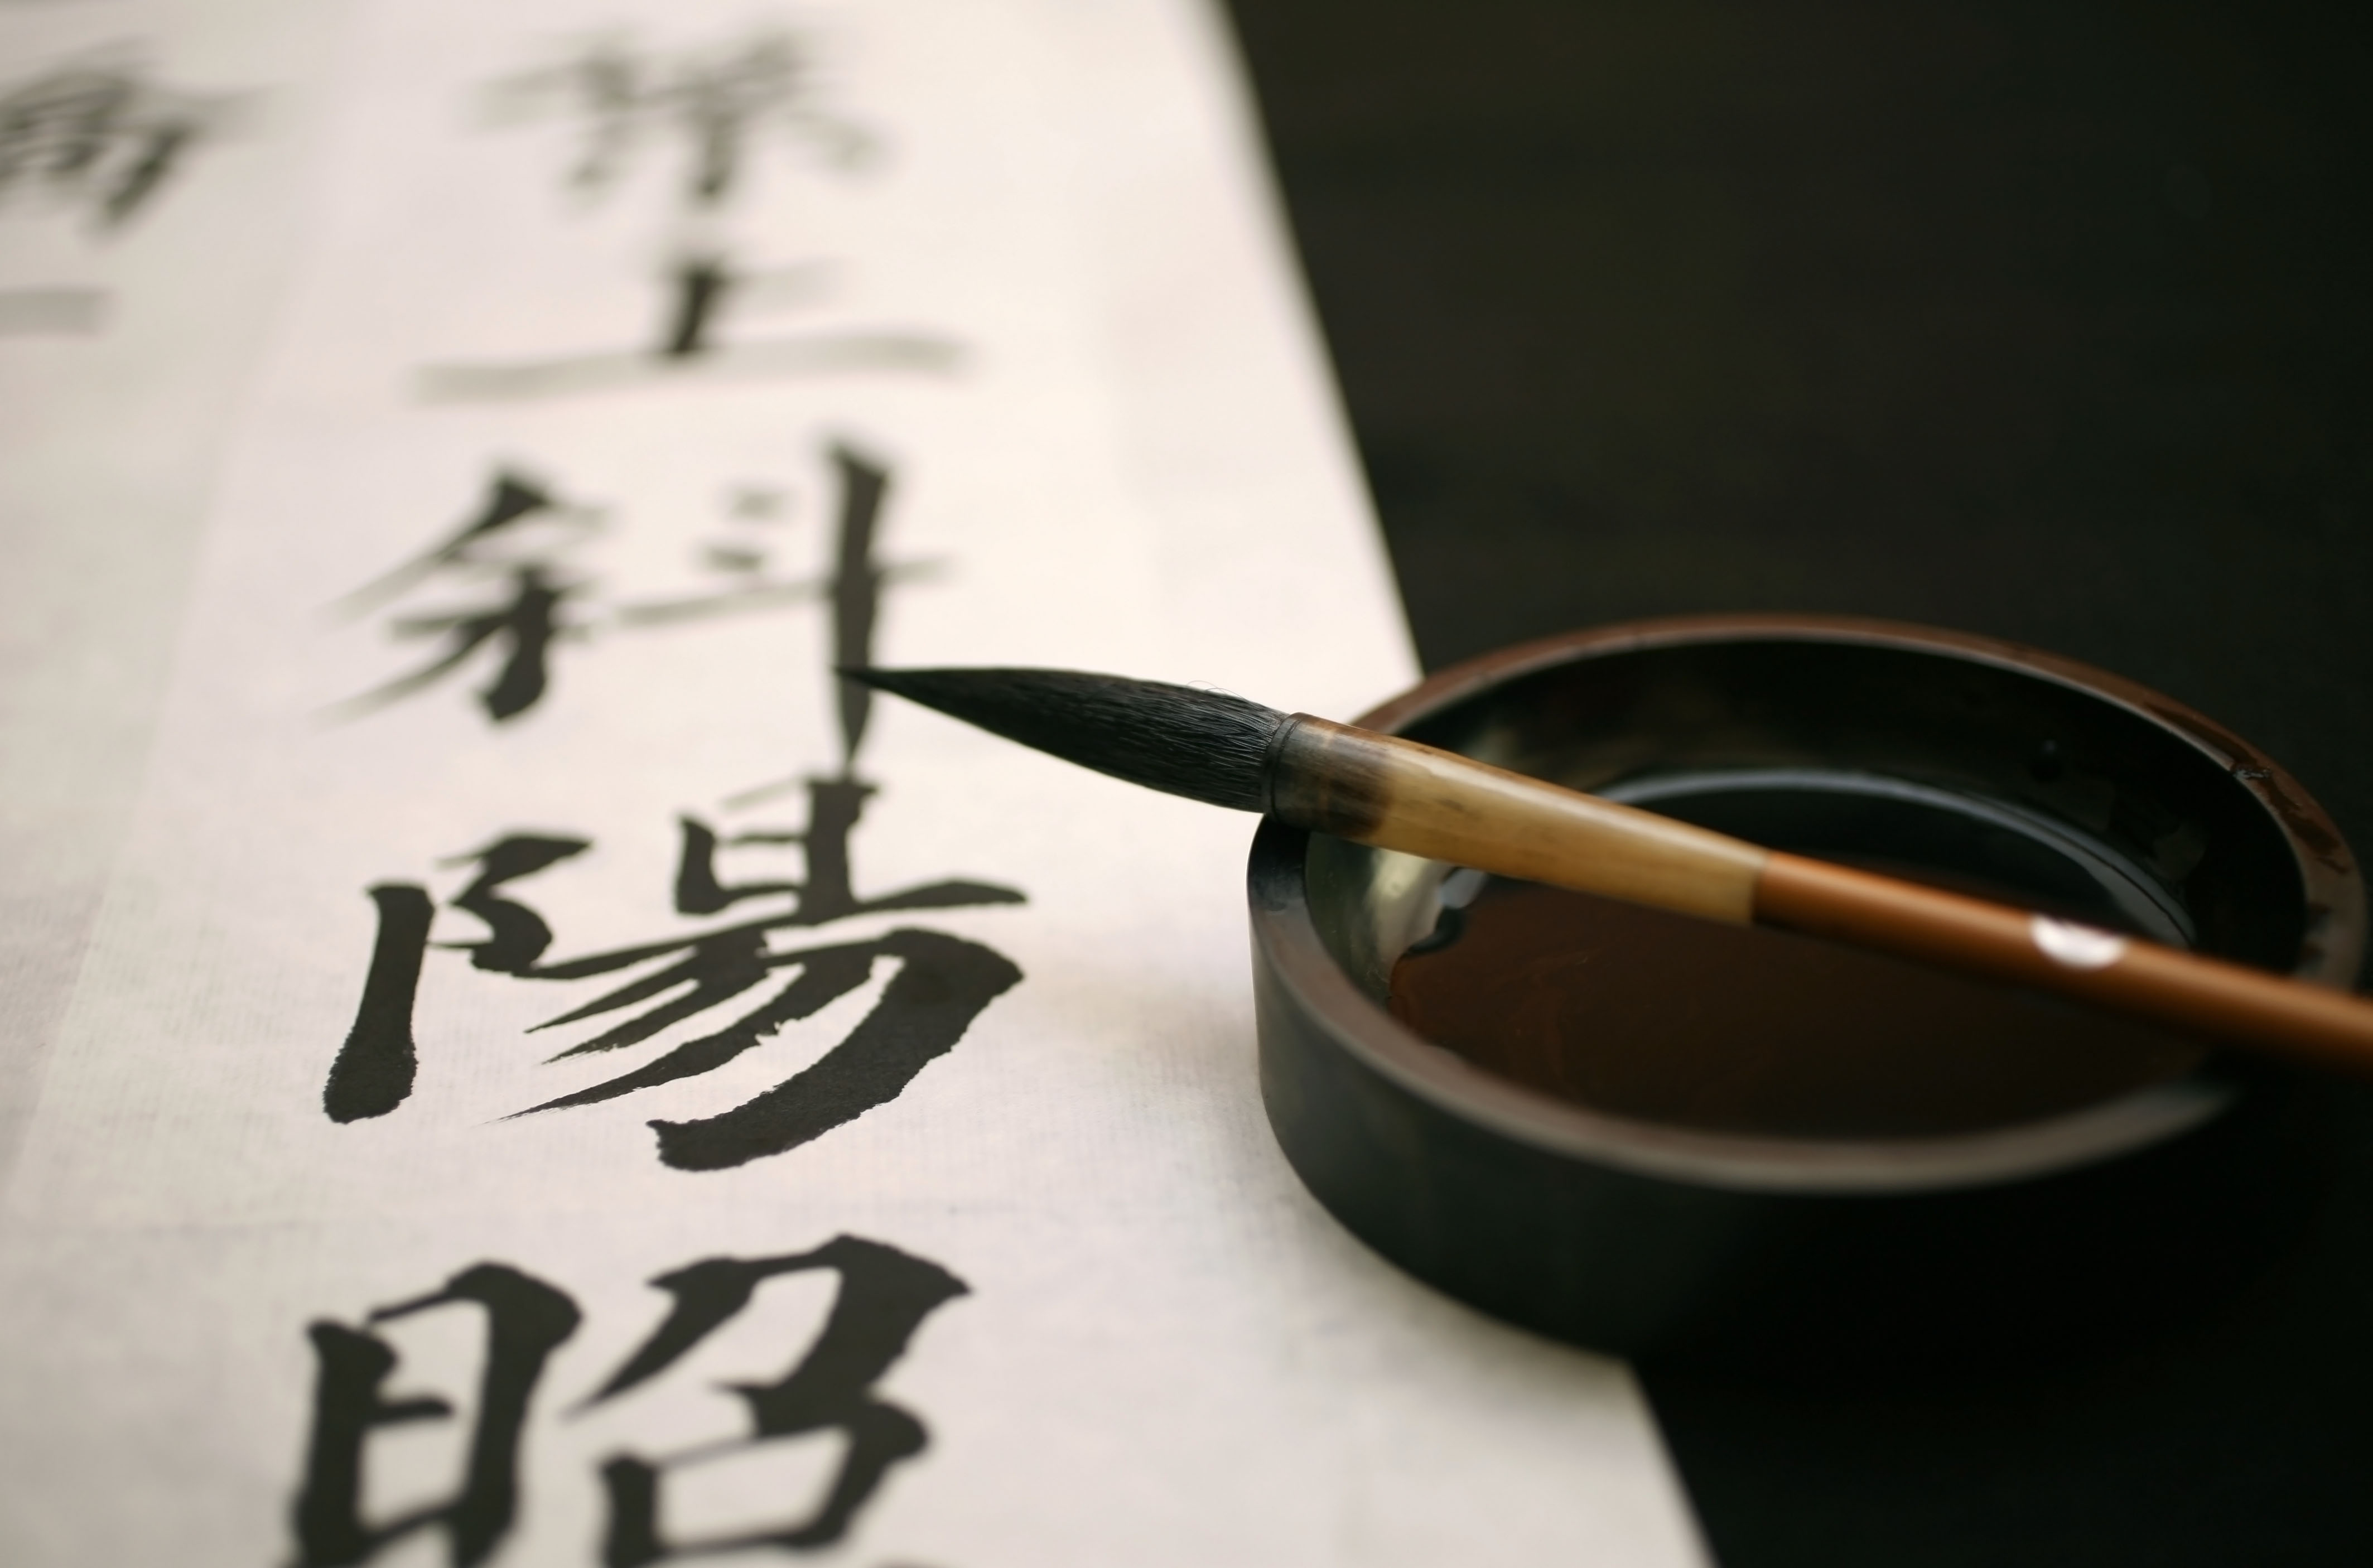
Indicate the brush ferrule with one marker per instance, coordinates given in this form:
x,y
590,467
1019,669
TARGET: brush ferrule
x,y
1272,762
1329,777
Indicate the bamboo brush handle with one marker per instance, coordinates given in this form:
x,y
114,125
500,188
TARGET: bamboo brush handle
x,y
2187,989
1397,794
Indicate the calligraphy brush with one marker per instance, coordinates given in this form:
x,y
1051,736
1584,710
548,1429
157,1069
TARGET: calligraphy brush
x,y
1395,795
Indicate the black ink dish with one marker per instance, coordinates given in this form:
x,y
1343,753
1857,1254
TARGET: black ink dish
x,y
1747,1149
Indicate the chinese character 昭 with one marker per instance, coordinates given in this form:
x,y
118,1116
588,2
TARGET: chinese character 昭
x,y
882,1297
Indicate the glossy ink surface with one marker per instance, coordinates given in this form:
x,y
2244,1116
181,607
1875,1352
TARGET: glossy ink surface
x,y
1747,1029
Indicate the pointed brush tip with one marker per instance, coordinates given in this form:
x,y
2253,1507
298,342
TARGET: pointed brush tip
x,y
929,688
1207,746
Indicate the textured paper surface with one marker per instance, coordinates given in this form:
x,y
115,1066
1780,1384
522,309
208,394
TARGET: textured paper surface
x,y
124,350
972,341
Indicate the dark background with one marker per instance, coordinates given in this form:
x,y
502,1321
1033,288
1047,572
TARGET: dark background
x,y
2048,320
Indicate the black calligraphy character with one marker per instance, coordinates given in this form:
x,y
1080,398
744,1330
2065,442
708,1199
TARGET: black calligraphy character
x,y
711,112
941,985
512,501
856,592
883,1297
717,104
942,982
526,1320
97,133
702,284
853,593
516,935
927,1003
374,1069
521,627
697,889
753,587
836,806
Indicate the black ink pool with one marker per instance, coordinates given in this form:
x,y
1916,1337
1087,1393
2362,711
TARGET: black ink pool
x,y
1692,1024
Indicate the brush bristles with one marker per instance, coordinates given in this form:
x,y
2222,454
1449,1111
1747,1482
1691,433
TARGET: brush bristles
x,y
1208,746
